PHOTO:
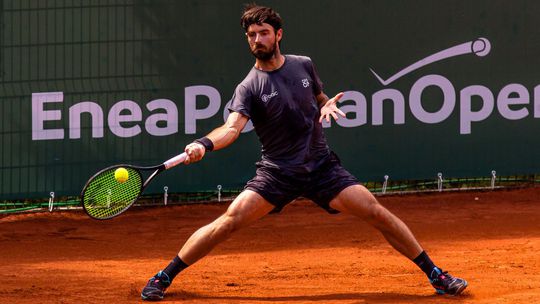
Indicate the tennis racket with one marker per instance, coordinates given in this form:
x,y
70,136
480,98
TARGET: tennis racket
x,y
103,197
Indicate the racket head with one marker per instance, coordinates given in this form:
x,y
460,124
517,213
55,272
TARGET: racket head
x,y
103,197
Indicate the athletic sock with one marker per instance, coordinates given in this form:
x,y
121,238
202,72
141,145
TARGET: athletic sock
x,y
424,262
174,267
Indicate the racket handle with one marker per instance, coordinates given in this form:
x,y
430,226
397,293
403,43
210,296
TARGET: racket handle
x,y
175,161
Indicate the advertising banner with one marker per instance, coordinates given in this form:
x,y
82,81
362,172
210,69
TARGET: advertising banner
x,y
430,86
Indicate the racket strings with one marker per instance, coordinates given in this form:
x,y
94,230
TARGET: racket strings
x,y
105,197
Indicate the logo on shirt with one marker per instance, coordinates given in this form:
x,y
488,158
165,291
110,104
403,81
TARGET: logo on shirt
x,y
266,97
305,82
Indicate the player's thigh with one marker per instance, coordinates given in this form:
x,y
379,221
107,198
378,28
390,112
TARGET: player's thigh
x,y
248,207
356,200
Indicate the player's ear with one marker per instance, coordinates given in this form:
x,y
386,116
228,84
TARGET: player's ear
x,y
279,34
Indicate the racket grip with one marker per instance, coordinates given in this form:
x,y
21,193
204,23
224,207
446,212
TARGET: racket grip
x,y
175,161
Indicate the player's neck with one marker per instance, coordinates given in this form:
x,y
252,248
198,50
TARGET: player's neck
x,y
271,64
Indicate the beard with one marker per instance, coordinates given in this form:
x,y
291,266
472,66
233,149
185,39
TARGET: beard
x,y
263,53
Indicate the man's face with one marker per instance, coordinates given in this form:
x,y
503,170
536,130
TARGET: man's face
x,y
263,40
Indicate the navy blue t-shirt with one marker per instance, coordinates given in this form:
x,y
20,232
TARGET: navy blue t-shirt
x,y
283,107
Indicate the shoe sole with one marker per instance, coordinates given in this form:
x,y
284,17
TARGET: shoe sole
x,y
151,298
458,291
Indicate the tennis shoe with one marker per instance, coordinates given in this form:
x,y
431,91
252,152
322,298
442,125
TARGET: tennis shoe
x,y
444,283
156,286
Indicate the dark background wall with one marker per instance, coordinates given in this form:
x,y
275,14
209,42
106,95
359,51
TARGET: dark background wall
x,y
109,51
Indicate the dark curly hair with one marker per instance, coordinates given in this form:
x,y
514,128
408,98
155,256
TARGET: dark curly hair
x,y
255,14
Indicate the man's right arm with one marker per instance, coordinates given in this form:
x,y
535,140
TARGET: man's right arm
x,y
218,139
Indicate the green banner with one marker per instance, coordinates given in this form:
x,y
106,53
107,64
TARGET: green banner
x,y
430,86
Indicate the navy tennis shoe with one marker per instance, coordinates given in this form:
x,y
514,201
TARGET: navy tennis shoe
x,y
156,286
444,283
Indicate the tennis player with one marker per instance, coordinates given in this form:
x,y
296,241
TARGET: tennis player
x,y
284,98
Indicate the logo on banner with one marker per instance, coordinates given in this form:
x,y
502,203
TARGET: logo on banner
x,y
510,101
480,47
160,117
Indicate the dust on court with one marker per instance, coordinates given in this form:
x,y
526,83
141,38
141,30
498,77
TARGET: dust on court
x,y
302,255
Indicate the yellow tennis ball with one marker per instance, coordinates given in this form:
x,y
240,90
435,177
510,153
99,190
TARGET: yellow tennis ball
x,y
121,175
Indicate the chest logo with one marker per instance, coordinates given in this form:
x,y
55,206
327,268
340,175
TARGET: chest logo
x,y
266,97
305,82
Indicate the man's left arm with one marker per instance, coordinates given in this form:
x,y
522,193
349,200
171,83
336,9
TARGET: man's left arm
x,y
328,106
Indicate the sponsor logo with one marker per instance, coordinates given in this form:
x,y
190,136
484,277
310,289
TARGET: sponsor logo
x,y
472,104
480,47
475,103
266,97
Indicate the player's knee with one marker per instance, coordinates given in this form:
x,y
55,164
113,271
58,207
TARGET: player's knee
x,y
375,212
227,225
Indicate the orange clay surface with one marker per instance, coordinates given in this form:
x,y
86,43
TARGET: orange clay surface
x,y
302,255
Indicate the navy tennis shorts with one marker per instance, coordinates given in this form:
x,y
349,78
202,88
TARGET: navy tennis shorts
x,y
321,186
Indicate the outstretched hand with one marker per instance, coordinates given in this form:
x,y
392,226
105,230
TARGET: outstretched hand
x,y
330,109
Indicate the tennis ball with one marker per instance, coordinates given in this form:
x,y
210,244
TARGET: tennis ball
x,y
121,175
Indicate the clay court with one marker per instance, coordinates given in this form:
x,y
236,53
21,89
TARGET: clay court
x,y
302,255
